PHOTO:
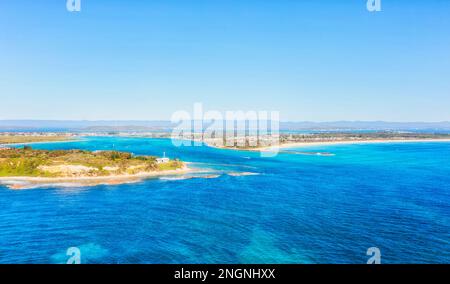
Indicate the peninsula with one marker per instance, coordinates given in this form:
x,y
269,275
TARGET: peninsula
x,y
99,167
21,138
291,140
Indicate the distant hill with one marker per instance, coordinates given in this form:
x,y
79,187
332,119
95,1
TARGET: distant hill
x,y
84,125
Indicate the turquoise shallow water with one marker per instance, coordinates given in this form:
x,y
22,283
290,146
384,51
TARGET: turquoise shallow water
x,y
298,209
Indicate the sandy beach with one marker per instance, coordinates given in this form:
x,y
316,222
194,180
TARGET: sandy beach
x,y
327,143
348,142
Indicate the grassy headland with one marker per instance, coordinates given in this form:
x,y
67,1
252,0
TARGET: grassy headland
x,y
27,162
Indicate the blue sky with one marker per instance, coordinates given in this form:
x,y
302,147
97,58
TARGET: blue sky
x,y
310,60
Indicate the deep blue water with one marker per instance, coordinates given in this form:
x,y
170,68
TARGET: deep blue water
x,y
299,209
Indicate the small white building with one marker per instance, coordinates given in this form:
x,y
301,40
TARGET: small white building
x,y
164,159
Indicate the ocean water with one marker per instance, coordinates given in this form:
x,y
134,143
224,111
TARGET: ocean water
x,y
295,208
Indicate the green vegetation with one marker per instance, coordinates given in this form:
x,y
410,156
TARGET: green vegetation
x,y
16,139
349,136
76,163
170,165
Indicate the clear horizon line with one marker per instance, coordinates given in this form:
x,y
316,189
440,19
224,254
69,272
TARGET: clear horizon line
x,y
165,120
